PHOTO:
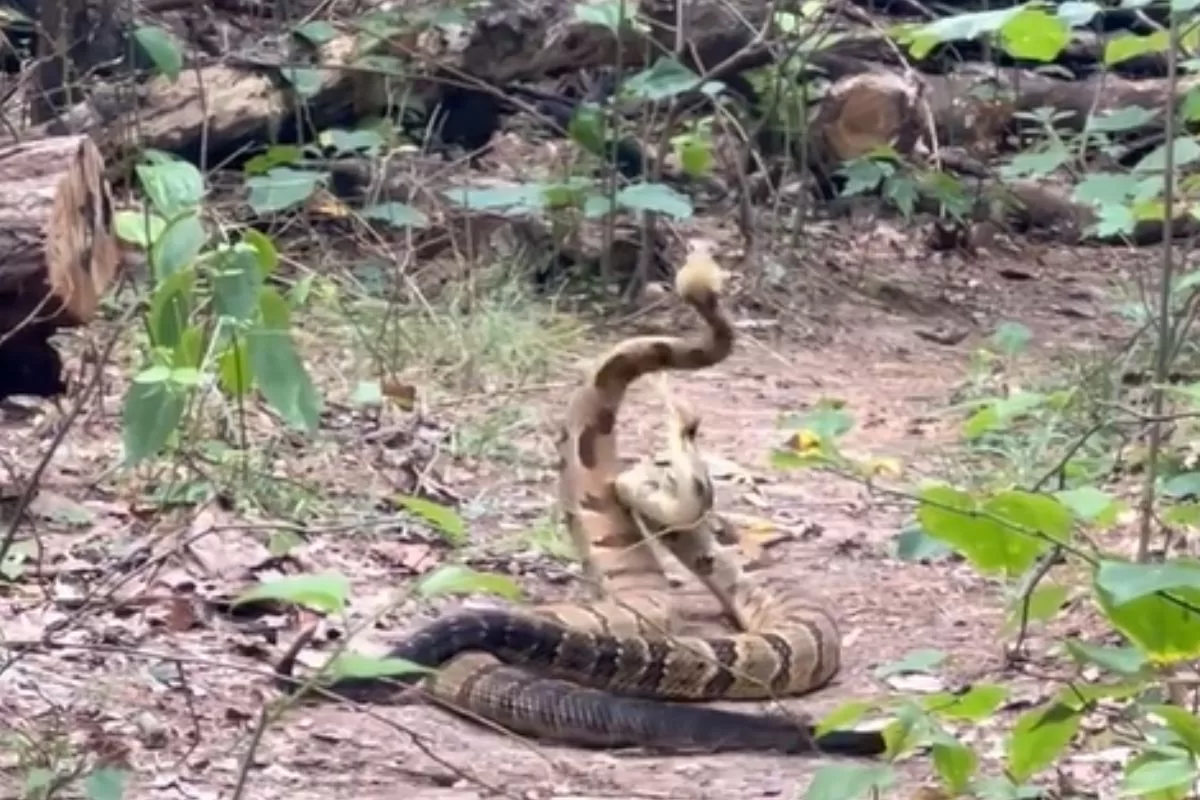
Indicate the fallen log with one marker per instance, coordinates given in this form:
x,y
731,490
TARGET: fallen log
x,y
58,250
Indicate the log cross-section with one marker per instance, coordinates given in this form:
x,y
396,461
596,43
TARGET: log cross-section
x,y
58,249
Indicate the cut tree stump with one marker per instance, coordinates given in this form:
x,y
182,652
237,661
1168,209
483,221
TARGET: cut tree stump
x,y
58,249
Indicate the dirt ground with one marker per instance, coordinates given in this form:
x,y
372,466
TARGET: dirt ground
x,y
180,701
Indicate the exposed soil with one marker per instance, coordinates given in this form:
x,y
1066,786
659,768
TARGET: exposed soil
x,y
186,731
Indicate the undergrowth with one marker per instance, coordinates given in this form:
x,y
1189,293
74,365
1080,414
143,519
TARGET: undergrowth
x,y
1078,467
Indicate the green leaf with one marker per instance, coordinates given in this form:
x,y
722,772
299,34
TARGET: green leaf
x,y
607,14
139,228
1161,628
234,365
1123,47
277,155
922,661
828,421
171,308
1182,485
953,517
1089,504
1011,338
848,781
1186,151
844,716
400,215
268,256
237,278
444,519
304,80
161,48
281,189
366,142
277,368
356,665
1182,723
1002,411
179,245
1157,776
662,81
1123,581
1034,35
955,764
695,155
586,128
975,705
326,593
453,579
152,411
1121,660
1038,737
173,186
655,197
316,31
914,544
105,783
1044,602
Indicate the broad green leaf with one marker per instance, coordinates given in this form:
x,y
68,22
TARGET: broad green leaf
x,y
1032,511
277,155
306,81
979,703
316,31
1186,514
173,186
922,661
162,48
366,142
152,411
695,155
914,544
655,197
179,245
268,256
1077,14
827,421
1124,581
1002,411
400,215
356,665
605,14
1184,724
1157,776
1186,151
281,188
955,764
1038,737
235,375
844,716
1034,35
1123,47
965,27
665,79
1089,504
277,368
1044,602
327,592
105,783
189,352
171,308
444,519
139,228
1163,629
586,128
236,281
457,579
1121,660
849,781
1182,485
954,518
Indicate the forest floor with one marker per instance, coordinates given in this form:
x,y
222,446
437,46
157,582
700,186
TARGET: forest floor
x,y
174,687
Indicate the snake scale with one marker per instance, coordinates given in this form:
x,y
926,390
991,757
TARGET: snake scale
x,y
602,673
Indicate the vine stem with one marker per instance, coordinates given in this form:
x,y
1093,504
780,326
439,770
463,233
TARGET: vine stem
x,y
1162,361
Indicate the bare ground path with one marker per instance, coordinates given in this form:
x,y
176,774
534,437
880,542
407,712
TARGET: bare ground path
x,y
895,379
